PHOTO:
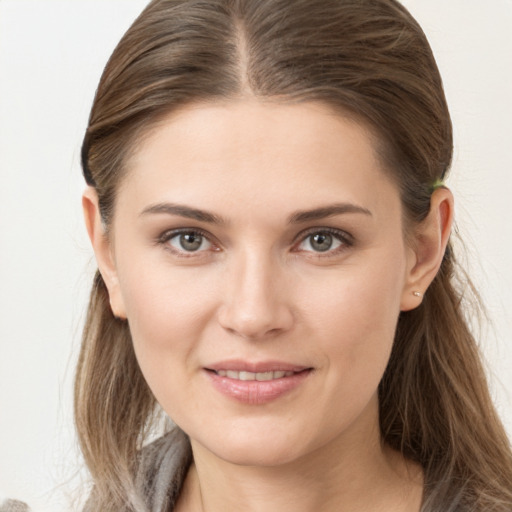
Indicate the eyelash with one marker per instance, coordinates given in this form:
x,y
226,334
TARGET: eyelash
x,y
169,235
346,241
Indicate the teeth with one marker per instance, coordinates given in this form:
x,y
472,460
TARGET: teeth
x,y
249,376
265,376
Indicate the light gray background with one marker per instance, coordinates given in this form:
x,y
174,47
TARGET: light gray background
x,y
51,56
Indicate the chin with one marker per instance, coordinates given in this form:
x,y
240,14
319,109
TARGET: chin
x,y
256,455
263,447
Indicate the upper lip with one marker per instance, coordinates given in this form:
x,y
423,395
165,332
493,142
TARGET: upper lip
x,y
256,367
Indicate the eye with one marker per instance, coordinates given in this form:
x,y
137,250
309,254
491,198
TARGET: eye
x,y
324,241
187,241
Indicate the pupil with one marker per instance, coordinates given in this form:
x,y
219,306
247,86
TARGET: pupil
x,y
321,242
190,241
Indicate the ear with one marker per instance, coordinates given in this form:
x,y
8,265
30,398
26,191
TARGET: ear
x,y
428,246
102,250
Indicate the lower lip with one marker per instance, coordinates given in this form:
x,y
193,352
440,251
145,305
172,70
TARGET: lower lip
x,y
255,392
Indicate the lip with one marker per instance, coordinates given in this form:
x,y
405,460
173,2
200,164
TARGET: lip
x,y
256,392
256,367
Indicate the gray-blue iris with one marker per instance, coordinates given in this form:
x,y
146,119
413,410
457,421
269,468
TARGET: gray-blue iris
x,y
191,241
321,242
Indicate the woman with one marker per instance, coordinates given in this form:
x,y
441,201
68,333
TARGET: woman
x,y
267,208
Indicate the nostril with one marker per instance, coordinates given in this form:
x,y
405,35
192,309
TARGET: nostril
x,y
253,332
255,310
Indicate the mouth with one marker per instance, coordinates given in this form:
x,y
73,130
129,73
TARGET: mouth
x,y
256,384
251,376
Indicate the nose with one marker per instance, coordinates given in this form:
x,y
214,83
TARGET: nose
x,y
255,303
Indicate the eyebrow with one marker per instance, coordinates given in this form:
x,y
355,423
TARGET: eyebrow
x,y
296,218
327,211
183,211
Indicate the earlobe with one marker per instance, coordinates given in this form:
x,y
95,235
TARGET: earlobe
x,y
102,250
430,240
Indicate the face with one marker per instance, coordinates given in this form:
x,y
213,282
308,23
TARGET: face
x,y
259,258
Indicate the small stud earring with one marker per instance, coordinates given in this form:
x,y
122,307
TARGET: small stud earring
x,y
417,294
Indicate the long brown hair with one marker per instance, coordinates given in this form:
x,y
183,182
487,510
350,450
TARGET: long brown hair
x,y
366,58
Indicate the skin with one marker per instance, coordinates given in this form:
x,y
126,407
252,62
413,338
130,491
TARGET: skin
x,y
258,289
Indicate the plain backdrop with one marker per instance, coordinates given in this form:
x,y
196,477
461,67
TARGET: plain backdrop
x,y
51,55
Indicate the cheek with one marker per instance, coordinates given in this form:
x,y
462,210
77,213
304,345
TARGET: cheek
x,y
361,298
167,309
167,313
354,319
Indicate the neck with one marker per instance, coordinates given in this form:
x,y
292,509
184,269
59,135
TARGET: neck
x,y
353,472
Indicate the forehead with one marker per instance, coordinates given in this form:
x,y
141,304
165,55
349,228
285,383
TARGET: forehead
x,y
251,152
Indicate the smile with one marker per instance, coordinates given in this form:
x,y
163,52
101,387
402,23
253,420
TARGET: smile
x,y
256,384
250,376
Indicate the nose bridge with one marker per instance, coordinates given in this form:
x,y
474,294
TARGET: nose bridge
x,y
255,305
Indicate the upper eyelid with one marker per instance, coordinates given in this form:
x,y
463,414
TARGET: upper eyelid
x,y
171,233
342,234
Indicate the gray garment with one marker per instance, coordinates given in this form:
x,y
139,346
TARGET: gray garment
x,y
162,470
163,466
